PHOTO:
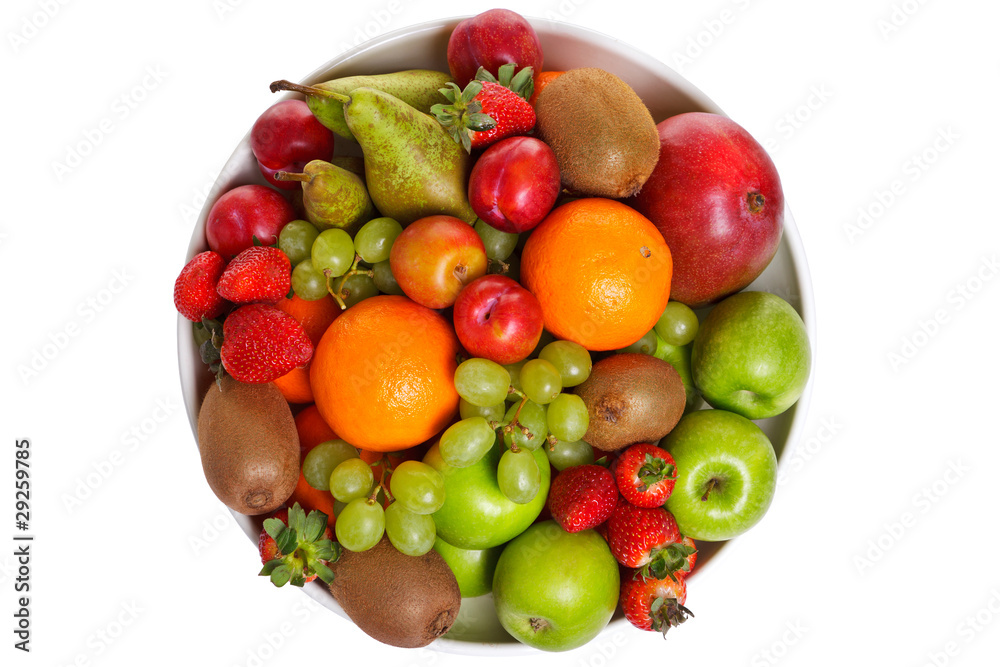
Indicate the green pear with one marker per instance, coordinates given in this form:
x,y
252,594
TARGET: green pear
x,y
413,167
417,87
332,197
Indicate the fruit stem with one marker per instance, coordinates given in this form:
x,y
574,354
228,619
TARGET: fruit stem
x,y
308,90
289,176
334,293
755,201
711,485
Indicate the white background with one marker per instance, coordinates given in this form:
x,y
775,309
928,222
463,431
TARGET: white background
x,y
873,552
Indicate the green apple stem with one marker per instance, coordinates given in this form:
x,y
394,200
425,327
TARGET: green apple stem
x,y
712,483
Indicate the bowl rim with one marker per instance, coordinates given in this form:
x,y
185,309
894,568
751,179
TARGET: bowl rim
x,y
556,28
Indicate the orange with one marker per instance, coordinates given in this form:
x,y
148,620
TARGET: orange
x,y
312,499
383,374
601,271
543,79
312,429
315,317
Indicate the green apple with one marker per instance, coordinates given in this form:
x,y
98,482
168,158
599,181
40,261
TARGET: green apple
x,y
751,355
473,568
726,474
476,514
679,356
555,590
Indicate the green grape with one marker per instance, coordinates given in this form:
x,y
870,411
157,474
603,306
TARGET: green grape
x,y
645,345
567,417
351,479
466,441
540,381
411,534
518,476
384,280
572,360
531,417
482,382
514,370
565,454
375,238
491,413
322,459
295,240
419,487
499,245
307,282
678,324
355,288
333,252
360,525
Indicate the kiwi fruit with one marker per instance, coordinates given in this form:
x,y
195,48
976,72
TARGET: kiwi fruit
x,y
249,445
400,600
631,398
603,135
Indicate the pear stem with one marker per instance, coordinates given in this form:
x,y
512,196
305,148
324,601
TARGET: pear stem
x,y
308,90
289,176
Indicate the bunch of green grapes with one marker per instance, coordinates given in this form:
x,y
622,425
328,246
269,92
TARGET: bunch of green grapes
x,y
332,262
414,489
539,414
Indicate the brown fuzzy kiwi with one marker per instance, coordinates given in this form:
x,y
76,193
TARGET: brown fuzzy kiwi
x,y
631,398
603,135
249,445
400,600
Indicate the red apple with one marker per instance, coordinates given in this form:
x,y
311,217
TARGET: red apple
x,y
243,213
287,136
495,37
514,184
497,319
716,197
435,257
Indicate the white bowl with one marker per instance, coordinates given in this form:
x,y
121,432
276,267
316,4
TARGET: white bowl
x,y
477,631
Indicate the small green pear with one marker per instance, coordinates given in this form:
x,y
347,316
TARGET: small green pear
x,y
417,87
332,197
413,167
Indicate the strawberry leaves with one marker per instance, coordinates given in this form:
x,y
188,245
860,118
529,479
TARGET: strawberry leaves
x,y
303,549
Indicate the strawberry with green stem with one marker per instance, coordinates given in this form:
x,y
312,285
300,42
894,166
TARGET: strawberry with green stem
x,y
489,108
654,604
645,475
296,548
647,538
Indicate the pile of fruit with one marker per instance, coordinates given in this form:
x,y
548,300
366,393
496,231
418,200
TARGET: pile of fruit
x,y
469,359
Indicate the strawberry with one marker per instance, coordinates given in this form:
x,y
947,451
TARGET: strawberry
x,y
261,343
654,604
296,548
582,497
647,538
489,109
646,475
257,274
195,295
